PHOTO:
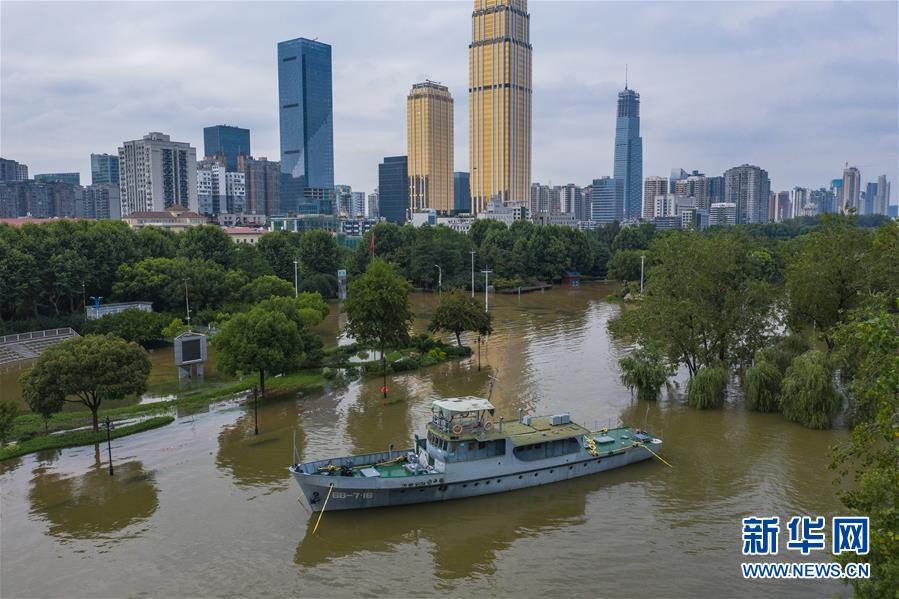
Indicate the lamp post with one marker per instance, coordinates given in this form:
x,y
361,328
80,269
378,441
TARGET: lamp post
x,y
187,304
109,443
296,280
83,297
472,252
439,280
255,410
486,295
641,274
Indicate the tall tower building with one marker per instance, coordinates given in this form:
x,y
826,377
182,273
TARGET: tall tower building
x,y
629,153
104,169
155,173
393,189
652,187
499,103
852,189
429,118
306,104
882,201
748,187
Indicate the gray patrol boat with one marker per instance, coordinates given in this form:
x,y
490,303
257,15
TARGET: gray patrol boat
x,y
468,453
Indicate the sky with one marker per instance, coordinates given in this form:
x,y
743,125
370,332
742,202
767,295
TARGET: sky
x,y
798,88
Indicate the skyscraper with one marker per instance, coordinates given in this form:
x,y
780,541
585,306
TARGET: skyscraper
x,y
882,201
629,153
227,142
607,200
499,103
461,193
748,187
10,170
104,169
852,189
869,206
393,189
429,118
305,103
155,173
652,187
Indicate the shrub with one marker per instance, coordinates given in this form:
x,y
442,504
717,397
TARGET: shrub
x,y
645,370
763,383
708,387
437,355
329,373
808,395
131,325
404,364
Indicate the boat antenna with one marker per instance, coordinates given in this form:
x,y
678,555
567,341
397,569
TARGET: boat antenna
x,y
493,379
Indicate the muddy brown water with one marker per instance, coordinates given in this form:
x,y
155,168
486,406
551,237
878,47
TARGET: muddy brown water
x,y
203,507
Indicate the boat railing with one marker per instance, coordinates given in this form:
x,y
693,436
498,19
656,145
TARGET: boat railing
x,y
356,460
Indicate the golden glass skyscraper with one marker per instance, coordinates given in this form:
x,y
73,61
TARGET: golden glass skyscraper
x,y
429,120
499,103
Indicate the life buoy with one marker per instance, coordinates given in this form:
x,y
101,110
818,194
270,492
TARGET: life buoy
x,y
457,429
488,426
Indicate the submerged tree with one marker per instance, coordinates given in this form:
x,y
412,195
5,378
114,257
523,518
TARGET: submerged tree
x,y
93,369
763,384
808,395
458,312
646,370
708,387
8,412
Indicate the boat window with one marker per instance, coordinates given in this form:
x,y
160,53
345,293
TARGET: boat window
x,y
539,451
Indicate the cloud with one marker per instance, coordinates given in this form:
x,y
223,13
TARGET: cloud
x,y
797,88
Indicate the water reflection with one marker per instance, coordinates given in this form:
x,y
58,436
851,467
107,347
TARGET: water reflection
x,y
463,537
94,504
373,423
261,460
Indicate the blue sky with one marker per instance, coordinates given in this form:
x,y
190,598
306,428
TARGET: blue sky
x,y
797,88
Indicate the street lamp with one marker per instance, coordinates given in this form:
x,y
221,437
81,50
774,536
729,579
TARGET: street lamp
x,y
472,252
439,280
641,274
109,443
486,295
187,304
296,283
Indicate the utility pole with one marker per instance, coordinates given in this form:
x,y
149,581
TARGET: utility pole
x,y
187,303
109,443
439,280
255,410
486,295
296,280
641,274
472,252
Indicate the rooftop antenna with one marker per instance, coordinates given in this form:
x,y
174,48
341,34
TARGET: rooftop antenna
x,y
625,75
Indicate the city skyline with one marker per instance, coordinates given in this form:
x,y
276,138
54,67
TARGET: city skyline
x,y
56,112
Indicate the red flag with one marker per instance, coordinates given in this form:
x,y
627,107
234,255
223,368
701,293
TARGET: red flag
x,y
371,244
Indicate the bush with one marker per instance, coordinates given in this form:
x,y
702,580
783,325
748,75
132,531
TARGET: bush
x,y
404,364
763,384
437,355
329,373
131,325
808,395
645,370
457,352
708,387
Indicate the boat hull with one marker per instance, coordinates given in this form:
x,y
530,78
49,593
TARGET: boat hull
x,y
351,493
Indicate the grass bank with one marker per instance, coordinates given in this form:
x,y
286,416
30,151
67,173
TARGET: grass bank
x,y
80,437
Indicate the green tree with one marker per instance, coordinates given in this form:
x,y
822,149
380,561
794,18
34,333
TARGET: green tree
x,y
207,242
808,395
458,312
645,369
378,310
630,238
763,382
155,242
92,369
306,311
8,413
174,328
265,287
258,341
250,261
161,281
867,465
131,325
625,265
318,253
708,387
826,275
279,250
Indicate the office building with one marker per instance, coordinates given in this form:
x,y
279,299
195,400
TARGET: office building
x,y
664,205
39,199
499,103
722,214
652,188
371,209
882,199
852,189
606,201
629,153
10,170
393,189
104,169
747,187
100,201
822,200
716,190
307,127
156,173
226,143
70,178
429,125
262,178
869,199
461,193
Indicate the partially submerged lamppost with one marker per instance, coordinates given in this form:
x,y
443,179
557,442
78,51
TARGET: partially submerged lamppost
x,y
109,443
255,410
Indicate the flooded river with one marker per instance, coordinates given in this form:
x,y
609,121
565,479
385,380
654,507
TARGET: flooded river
x,y
203,507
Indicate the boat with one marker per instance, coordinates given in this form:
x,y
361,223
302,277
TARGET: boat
x,y
466,453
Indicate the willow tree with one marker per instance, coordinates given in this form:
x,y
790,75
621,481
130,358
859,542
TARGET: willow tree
x,y
458,312
646,370
378,311
808,395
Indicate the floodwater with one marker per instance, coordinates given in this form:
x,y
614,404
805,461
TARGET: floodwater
x,y
203,507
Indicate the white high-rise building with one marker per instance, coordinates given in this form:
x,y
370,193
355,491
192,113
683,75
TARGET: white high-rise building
x,y
372,208
220,191
722,214
155,173
882,199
